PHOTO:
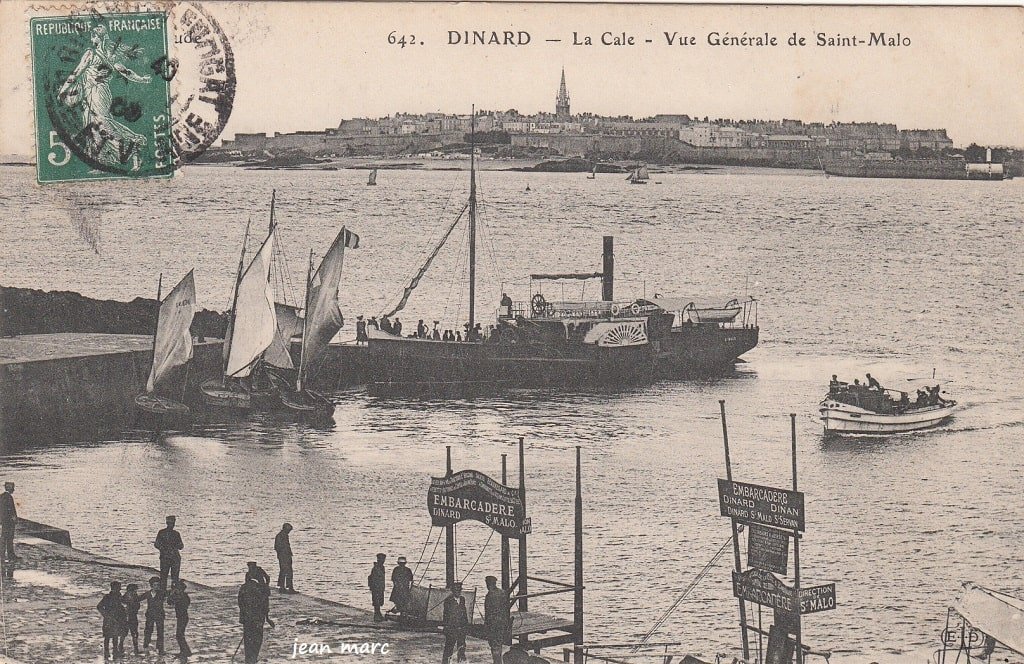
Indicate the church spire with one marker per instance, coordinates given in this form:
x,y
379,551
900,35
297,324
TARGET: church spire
x,y
562,101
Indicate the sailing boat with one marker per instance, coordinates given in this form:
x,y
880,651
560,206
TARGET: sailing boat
x,y
322,322
373,178
593,173
172,346
251,330
638,175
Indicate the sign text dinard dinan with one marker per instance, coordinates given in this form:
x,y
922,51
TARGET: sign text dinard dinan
x,y
752,503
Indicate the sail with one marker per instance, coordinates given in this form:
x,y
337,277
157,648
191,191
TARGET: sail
x,y
998,615
641,173
426,265
172,345
373,177
289,324
323,315
254,321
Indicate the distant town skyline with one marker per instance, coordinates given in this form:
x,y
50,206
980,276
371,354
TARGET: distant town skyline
x,y
304,67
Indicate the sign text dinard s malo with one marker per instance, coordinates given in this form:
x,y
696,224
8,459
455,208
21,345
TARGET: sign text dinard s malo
x,y
716,38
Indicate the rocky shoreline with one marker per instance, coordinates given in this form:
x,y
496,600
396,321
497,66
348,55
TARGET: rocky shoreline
x,y
32,311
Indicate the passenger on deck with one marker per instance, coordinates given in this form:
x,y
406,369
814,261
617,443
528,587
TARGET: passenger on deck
x,y
361,330
421,330
373,323
437,333
478,333
904,401
458,336
385,325
506,306
873,384
397,327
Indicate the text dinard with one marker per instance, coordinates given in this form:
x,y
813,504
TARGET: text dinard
x,y
716,38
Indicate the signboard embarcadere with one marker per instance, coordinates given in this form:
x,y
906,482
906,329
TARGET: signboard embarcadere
x,y
471,495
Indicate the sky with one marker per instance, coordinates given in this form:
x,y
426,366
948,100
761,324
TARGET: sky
x,y
305,66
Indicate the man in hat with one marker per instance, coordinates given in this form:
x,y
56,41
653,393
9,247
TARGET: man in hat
x,y
377,581
8,520
168,543
401,585
257,574
497,620
253,607
283,547
454,623
436,334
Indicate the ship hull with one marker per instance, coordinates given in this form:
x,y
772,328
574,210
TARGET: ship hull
x,y
844,419
694,351
405,367
401,365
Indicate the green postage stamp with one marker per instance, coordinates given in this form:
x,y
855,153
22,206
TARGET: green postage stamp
x,y
102,96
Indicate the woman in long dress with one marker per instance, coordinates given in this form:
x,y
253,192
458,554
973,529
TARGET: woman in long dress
x,y
88,86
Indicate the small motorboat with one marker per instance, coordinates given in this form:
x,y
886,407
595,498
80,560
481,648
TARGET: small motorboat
x,y
875,410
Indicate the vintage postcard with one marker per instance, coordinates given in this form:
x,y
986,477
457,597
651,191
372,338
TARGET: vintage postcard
x,y
511,332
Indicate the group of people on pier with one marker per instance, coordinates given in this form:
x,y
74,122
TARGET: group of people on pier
x,y
119,611
455,620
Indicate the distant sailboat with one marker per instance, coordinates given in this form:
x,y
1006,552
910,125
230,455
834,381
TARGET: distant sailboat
x,y
251,330
172,346
638,175
322,322
593,173
373,178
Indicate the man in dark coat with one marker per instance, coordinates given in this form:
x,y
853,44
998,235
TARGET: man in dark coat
x,y
283,547
401,585
180,600
168,543
497,620
377,581
154,597
8,520
253,607
115,621
455,623
361,336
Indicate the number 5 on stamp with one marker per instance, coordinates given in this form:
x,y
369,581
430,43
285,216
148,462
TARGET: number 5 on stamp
x,y
102,105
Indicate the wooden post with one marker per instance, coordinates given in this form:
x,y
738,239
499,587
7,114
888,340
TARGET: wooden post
x,y
449,537
522,589
506,556
796,556
735,535
577,606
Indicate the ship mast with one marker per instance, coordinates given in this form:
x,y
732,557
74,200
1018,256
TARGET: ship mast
x,y
472,221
